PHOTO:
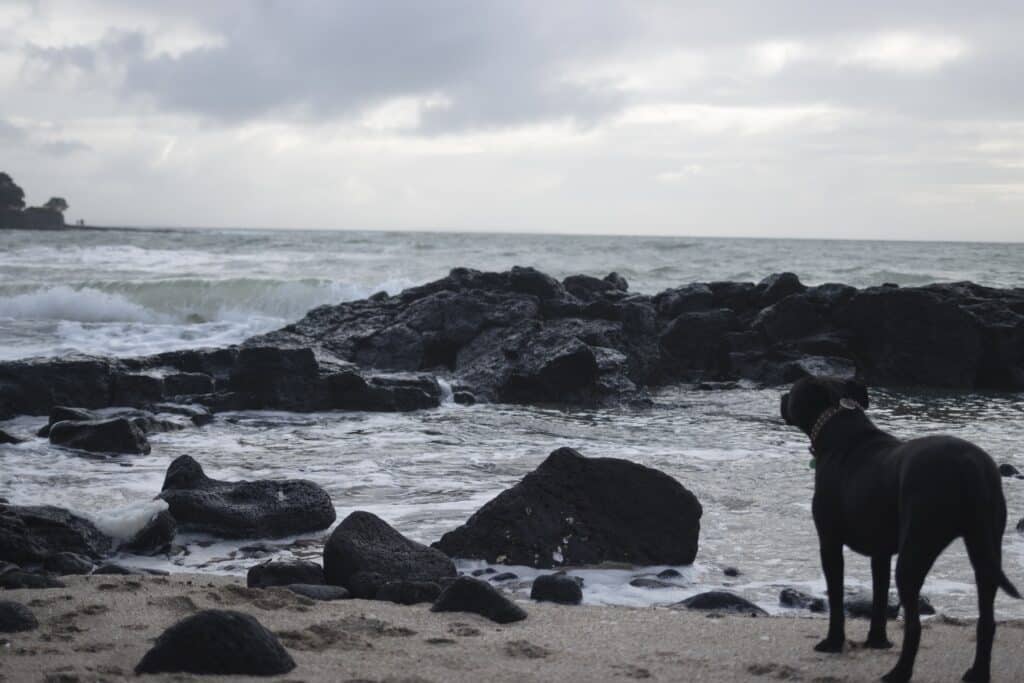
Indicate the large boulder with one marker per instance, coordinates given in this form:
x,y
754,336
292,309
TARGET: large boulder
x,y
217,642
243,509
574,510
559,588
34,533
364,553
116,435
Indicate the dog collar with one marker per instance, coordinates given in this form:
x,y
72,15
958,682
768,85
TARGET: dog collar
x,y
825,417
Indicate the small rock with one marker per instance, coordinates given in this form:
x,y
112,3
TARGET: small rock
x,y
467,594
68,564
731,571
556,588
15,617
6,438
722,601
648,582
111,568
217,642
669,574
116,435
409,592
481,572
19,578
791,597
504,576
154,538
284,573
320,592
1006,470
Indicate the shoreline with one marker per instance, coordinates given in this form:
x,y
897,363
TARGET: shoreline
x,y
98,627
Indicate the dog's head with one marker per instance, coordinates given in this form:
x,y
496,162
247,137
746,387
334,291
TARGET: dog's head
x,y
809,397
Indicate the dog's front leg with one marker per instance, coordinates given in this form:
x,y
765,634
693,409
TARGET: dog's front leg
x,y
880,567
832,564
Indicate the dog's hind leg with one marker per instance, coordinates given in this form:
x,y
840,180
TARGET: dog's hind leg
x,y
880,568
918,550
982,553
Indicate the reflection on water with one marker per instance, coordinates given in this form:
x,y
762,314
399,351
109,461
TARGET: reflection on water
x,y
426,472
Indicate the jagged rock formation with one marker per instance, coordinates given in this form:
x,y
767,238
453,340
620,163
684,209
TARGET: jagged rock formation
x,y
524,337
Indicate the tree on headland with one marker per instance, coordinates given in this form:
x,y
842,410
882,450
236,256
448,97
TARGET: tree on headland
x,y
58,204
11,196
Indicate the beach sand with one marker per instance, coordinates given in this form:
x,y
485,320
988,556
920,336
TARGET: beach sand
x,y
98,628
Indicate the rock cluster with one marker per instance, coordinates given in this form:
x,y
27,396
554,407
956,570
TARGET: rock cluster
x,y
523,337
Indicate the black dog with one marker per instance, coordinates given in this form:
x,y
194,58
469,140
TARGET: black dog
x,y
881,496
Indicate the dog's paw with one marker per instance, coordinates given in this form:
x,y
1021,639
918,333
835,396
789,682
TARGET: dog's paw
x,y
976,676
897,675
877,643
831,645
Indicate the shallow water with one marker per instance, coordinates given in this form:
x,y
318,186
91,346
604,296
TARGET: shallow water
x,y
134,292
426,472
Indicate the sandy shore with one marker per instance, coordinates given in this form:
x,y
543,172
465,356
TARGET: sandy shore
x,y
98,628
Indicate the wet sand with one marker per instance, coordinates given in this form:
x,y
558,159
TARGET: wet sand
x,y
99,627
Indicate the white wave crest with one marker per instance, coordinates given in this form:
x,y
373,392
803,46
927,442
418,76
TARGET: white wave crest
x,y
80,304
123,523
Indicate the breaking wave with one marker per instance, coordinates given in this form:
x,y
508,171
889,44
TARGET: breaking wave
x,y
186,301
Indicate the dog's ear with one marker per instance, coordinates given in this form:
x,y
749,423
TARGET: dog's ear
x,y
784,408
858,392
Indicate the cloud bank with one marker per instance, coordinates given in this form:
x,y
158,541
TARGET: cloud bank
x,y
803,119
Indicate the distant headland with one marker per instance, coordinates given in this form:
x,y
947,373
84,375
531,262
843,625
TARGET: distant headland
x,y
14,215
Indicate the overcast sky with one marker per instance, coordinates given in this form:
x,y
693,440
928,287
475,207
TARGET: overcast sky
x,y
803,119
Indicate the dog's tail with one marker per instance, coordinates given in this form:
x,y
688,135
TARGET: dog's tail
x,y
1007,586
985,538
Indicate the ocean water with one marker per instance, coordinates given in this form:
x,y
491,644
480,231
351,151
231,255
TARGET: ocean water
x,y
132,292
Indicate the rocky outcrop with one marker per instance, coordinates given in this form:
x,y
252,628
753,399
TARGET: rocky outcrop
x,y
153,538
243,509
521,336
32,218
31,534
217,642
364,554
574,510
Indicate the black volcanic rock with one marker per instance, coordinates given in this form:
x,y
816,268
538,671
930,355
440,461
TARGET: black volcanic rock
x,y
243,509
15,617
116,435
521,336
34,533
6,438
364,553
153,538
722,601
578,510
466,594
558,588
68,564
408,592
218,642
284,573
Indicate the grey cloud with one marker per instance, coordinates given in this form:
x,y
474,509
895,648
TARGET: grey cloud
x,y
501,63
63,148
